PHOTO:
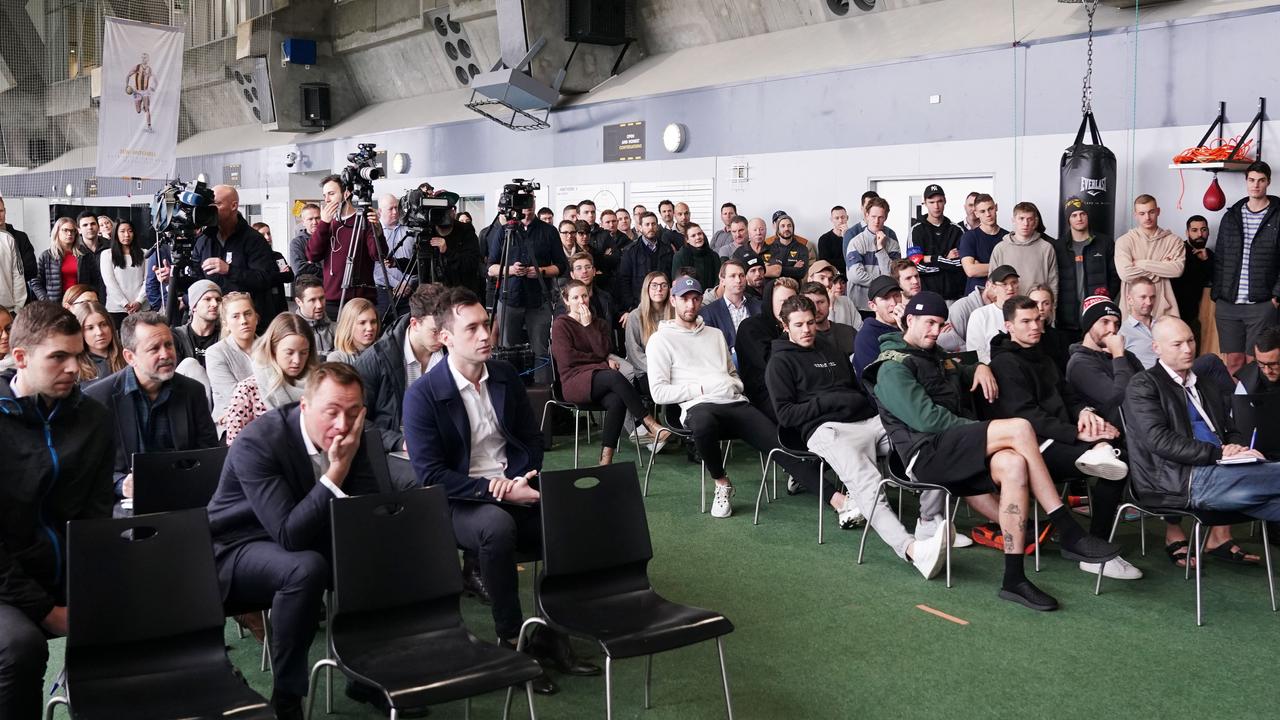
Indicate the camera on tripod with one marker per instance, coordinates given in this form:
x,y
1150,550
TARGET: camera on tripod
x,y
359,175
517,196
420,211
179,213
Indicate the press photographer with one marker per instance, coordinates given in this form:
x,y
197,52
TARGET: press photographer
x,y
346,213
531,252
446,251
228,252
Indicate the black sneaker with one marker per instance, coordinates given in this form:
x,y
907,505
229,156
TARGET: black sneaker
x,y
1090,549
1024,593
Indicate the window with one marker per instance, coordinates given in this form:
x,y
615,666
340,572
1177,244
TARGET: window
x,y
73,30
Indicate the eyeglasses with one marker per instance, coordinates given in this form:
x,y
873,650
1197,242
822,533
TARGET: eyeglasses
x,y
658,286
1268,365
566,232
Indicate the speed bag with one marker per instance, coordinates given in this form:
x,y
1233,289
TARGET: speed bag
x,y
1089,173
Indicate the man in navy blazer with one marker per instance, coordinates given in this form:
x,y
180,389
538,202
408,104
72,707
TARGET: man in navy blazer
x,y
155,409
734,305
270,515
469,427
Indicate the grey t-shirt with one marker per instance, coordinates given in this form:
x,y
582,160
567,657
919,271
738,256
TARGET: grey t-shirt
x,y
1077,249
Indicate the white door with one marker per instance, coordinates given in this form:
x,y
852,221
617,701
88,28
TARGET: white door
x,y
906,197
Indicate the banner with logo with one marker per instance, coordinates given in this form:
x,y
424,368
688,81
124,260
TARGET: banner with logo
x,y
141,89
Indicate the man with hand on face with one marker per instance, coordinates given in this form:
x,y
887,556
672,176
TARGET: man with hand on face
x,y
885,297
469,427
926,406
58,457
155,409
870,254
231,254
1073,436
830,243
270,518
331,245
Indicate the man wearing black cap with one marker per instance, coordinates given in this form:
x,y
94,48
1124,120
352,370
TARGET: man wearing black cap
x,y
689,366
885,296
926,405
1086,263
939,242
988,321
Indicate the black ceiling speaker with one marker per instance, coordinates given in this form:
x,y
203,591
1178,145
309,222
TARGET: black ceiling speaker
x,y
599,22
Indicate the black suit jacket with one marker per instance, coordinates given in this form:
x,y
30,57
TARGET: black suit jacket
x,y
439,432
269,492
188,411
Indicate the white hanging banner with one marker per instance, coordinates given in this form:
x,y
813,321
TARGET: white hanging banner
x,y
141,89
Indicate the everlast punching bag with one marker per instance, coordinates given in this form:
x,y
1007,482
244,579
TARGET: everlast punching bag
x,y
1089,172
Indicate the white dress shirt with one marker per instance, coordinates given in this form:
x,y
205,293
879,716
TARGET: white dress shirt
x,y
319,460
412,368
488,447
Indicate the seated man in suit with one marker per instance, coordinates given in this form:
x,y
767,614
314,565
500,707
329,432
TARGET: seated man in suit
x,y
154,408
734,306
270,517
469,427
1180,430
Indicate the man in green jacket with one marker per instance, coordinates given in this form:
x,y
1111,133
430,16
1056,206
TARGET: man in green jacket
x,y
926,405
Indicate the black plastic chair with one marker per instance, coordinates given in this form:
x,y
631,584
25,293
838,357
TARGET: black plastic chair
x,y
557,400
790,445
1201,519
394,622
146,623
177,480
594,584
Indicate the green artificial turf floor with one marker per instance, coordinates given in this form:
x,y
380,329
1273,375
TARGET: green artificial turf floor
x,y
819,636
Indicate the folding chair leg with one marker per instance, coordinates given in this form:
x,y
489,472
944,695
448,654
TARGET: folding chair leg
x,y
724,678
764,490
1115,525
653,455
1196,536
648,678
1266,554
311,683
608,687
576,416
266,641
821,473
702,482
1142,532
946,508
875,503
466,709
1035,514
528,687
542,426
59,700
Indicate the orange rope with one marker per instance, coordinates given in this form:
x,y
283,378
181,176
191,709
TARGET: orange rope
x,y
1217,151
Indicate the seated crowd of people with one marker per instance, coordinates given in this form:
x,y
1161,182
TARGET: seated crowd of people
x,y
990,365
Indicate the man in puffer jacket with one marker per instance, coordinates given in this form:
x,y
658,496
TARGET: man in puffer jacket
x,y
59,457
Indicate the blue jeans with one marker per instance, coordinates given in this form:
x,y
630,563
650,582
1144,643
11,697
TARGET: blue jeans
x,y
1252,489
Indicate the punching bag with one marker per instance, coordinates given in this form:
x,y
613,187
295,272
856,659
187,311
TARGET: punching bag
x,y
1088,172
1214,198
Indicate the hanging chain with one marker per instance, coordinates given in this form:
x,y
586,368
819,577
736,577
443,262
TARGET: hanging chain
x,y
1086,93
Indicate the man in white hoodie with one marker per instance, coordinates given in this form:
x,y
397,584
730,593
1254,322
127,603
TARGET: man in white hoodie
x,y
689,365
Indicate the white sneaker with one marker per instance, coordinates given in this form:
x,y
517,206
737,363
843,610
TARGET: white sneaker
x,y
926,529
1117,568
850,516
720,506
1102,461
929,556
793,487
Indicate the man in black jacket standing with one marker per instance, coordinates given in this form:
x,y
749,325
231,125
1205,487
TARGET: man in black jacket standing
x,y
1180,433
534,259
650,252
270,517
1086,262
1073,435
939,241
815,398
1246,268
58,456
154,408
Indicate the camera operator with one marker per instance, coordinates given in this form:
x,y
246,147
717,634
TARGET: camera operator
x,y
534,260
401,252
459,250
231,254
331,245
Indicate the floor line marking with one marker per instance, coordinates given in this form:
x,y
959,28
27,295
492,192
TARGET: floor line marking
x,y
942,615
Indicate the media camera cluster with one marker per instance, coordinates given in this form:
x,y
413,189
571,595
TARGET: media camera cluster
x,y
359,174
179,213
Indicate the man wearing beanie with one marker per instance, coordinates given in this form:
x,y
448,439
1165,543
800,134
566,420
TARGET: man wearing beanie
x,y
193,339
788,250
1086,262
1073,435
926,405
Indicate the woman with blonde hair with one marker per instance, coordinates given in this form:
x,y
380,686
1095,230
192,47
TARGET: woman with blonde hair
x,y
102,354
642,323
282,359
60,264
227,361
357,329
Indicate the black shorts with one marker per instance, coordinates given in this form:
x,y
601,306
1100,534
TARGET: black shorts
x,y
957,460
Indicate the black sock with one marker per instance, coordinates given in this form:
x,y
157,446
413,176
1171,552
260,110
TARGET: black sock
x,y
1013,572
1069,531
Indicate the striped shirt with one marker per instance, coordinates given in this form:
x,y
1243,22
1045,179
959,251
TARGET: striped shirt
x,y
1250,221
